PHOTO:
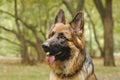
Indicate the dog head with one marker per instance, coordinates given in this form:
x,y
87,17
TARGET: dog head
x,y
63,38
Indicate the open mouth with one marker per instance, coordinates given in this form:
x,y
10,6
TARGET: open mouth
x,y
50,59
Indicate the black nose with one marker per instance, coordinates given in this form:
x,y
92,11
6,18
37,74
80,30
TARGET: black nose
x,y
46,46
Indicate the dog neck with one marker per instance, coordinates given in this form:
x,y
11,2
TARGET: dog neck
x,y
71,67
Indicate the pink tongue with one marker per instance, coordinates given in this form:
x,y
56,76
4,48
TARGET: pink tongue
x,y
50,59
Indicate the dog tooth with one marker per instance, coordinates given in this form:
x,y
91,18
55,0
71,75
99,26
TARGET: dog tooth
x,y
47,53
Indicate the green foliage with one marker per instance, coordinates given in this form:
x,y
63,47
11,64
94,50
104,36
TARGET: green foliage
x,y
89,5
116,16
39,15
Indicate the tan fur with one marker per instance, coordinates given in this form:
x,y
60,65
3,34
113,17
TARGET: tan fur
x,y
72,64
77,58
92,77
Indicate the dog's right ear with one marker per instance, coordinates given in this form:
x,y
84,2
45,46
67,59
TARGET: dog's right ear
x,y
60,17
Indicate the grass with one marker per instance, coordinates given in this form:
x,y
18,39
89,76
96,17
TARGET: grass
x,y
107,73
20,72
14,71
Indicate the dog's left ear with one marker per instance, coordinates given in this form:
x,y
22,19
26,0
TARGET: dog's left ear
x,y
60,17
78,23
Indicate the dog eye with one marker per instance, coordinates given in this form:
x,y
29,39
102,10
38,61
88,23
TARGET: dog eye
x,y
61,35
52,34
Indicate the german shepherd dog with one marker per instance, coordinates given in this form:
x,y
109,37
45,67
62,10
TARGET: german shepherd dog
x,y
65,50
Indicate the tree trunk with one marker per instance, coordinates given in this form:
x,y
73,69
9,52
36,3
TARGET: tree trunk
x,y
108,35
108,41
20,36
40,53
25,55
107,20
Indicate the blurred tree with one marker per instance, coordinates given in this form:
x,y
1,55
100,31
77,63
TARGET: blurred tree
x,y
71,8
35,17
20,36
107,20
31,26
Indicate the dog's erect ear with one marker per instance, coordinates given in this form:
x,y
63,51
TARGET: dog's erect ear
x,y
77,25
60,17
78,22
